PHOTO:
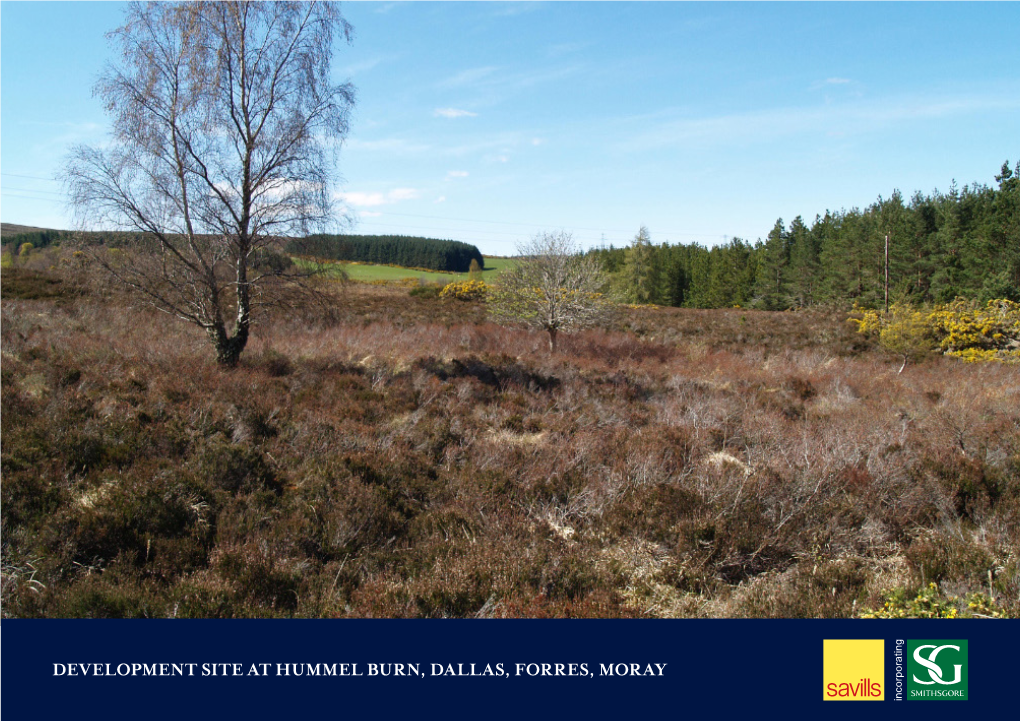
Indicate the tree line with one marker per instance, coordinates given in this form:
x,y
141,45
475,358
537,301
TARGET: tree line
x,y
413,252
960,243
408,251
37,238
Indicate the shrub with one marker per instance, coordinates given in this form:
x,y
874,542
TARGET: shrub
x,y
475,270
962,328
465,290
267,260
275,363
427,291
905,334
964,324
929,602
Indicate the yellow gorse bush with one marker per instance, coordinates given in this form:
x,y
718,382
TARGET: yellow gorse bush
x,y
961,325
870,322
465,290
963,329
929,603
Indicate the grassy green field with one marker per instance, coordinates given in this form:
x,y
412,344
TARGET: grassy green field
x,y
366,272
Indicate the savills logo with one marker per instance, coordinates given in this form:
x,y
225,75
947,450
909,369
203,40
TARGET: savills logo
x,y
853,669
937,670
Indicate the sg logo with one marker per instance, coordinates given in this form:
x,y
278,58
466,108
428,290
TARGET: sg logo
x,y
934,670
937,670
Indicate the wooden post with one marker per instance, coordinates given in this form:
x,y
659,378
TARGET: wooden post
x,y
886,272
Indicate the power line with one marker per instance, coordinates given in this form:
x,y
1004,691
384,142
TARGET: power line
x,y
32,197
34,190
31,177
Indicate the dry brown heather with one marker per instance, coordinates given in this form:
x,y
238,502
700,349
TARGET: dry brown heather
x,y
407,458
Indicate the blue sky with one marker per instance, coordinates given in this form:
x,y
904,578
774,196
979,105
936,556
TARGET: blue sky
x,y
490,121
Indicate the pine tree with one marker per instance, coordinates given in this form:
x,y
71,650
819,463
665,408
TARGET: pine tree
x,y
804,266
946,244
642,274
1004,281
772,289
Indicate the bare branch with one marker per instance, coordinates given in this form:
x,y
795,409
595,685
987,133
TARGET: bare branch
x,y
552,287
222,116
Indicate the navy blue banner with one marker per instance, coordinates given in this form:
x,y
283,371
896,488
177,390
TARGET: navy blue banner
x,y
503,669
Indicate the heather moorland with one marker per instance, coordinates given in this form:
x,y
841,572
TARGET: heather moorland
x,y
387,453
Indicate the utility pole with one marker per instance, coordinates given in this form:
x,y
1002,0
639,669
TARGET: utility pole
x,y
886,272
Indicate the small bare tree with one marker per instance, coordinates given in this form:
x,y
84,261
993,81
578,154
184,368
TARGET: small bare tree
x,y
226,127
552,286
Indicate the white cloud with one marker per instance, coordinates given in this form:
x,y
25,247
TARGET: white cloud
x,y
440,199
472,145
72,134
829,82
456,174
495,83
368,200
363,199
396,146
559,49
453,113
537,141
467,77
858,118
402,194
358,68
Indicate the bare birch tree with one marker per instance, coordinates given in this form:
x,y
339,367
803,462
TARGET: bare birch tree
x,y
226,128
552,286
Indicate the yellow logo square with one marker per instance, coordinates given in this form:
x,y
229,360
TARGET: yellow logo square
x,y
853,669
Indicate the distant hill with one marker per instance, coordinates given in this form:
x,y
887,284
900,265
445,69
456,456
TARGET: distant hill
x,y
7,229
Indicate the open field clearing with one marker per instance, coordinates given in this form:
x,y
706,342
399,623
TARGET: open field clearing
x,y
368,273
399,456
